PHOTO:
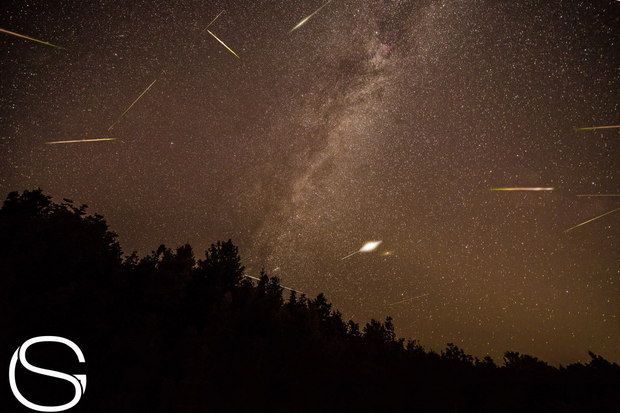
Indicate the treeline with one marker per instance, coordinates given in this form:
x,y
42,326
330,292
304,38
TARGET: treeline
x,y
172,333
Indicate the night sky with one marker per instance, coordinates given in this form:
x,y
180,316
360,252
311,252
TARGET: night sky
x,y
375,120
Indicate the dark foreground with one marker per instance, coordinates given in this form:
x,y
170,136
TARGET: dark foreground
x,y
169,333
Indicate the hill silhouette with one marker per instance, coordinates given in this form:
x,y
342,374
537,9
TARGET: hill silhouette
x,y
172,333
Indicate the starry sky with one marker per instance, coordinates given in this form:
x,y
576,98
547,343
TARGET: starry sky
x,y
375,120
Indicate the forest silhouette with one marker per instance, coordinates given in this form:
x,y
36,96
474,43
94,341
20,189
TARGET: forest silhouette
x,y
172,333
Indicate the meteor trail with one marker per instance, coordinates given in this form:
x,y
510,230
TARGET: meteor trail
x,y
286,288
32,39
593,219
224,44
591,128
522,189
592,195
410,299
305,19
80,141
213,21
367,247
130,106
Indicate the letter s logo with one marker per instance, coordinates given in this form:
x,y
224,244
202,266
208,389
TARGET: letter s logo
x,y
78,380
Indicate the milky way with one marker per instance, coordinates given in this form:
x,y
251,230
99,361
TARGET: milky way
x,y
374,120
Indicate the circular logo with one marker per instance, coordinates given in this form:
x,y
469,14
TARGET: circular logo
x,y
77,380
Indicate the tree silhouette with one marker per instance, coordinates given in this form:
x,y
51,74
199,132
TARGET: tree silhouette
x,y
169,332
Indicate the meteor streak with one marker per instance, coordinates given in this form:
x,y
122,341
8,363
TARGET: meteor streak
x,y
305,19
367,247
593,219
286,288
224,44
593,195
80,141
213,21
32,39
130,106
523,189
591,128
410,299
